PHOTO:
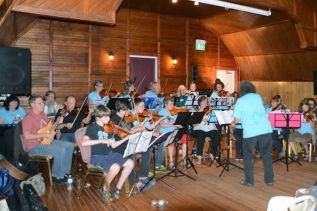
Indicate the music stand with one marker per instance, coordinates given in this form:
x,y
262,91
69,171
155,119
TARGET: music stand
x,y
112,102
154,144
138,143
186,119
225,118
287,121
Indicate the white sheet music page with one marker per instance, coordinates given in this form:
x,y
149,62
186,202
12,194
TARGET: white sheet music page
x,y
224,117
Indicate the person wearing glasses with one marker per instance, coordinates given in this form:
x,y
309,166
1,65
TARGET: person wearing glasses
x,y
95,97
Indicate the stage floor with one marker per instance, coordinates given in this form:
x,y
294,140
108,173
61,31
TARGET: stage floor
x,y
208,192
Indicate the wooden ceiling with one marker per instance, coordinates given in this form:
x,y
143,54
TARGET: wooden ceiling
x,y
281,47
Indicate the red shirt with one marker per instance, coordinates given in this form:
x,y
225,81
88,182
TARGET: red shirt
x,y
32,123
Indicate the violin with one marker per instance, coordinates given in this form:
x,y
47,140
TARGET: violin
x,y
309,116
176,110
223,93
208,109
111,127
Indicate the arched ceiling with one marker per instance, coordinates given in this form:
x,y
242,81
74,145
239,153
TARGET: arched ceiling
x,y
282,47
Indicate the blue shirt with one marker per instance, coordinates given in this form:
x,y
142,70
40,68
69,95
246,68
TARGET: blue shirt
x,y
306,127
97,100
250,110
150,93
12,117
145,125
164,112
214,94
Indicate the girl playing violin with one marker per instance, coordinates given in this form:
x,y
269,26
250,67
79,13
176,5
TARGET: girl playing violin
x,y
148,124
278,134
102,154
167,126
219,89
129,89
95,97
206,129
304,134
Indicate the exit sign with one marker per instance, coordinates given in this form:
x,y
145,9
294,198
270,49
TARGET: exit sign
x,y
201,45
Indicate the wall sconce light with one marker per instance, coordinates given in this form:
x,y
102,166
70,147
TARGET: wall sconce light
x,y
174,1
111,56
196,3
174,60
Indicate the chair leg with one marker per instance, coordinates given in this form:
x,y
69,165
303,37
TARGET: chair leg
x,y
230,148
310,145
50,171
82,185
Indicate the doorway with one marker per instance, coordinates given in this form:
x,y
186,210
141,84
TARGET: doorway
x,y
143,66
228,78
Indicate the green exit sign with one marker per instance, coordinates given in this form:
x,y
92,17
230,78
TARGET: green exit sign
x,y
200,45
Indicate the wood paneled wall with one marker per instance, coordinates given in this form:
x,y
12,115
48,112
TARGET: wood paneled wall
x,y
292,92
67,57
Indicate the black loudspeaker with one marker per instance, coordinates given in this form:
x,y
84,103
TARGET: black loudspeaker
x,y
315,82
15,71
194,72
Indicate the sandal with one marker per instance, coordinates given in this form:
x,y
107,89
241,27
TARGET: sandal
x,y
116,193
243,182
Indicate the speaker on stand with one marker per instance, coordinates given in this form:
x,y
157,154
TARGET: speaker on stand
x,y
194,73
15,71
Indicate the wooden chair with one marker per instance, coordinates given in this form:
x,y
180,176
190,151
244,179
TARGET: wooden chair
x,y
89,170
47,160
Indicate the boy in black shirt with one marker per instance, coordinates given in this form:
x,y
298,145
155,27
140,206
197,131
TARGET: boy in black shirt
x,y
101,153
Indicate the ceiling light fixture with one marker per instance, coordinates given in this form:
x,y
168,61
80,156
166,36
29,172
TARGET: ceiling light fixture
x,y
174,1
228,5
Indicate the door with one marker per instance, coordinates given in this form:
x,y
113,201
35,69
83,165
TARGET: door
x,y
228,78
143,67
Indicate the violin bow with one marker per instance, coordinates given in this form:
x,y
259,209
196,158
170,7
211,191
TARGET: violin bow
x,y
81,107
107,93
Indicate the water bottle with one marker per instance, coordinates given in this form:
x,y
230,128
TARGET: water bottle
x,y
69,183
159,203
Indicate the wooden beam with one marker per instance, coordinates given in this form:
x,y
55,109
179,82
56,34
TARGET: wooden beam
x,y
98,11
7,12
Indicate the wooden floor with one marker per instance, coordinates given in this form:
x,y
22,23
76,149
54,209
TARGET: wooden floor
x,y
208,192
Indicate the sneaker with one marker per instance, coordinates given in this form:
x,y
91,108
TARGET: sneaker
x,y
150,174
147,185
243,182
160,168
59,180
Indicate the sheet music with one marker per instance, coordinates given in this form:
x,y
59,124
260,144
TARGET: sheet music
x,y
224,117
138,142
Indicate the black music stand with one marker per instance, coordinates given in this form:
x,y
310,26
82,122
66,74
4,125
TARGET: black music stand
x,y
287,121
154,144
186,119
225,121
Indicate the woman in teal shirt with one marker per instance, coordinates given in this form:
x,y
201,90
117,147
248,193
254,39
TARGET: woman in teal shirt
x,y
250,112
12,112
